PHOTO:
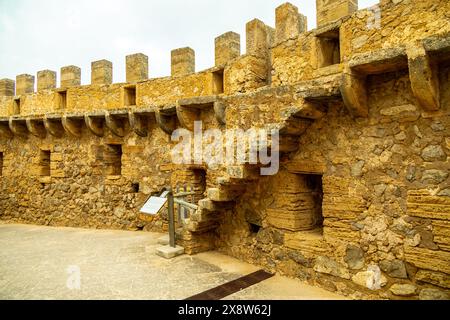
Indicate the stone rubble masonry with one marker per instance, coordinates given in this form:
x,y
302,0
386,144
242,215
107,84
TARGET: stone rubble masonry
x,y
101,72
70,76
46,79
227,48
137,67
363,189
182,62
24,84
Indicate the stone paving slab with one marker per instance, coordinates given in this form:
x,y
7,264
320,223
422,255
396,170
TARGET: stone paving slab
x,y
44,263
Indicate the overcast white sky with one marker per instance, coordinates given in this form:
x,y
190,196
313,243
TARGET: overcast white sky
x,y
49,34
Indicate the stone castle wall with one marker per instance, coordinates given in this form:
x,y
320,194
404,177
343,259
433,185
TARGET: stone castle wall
x,y
362,104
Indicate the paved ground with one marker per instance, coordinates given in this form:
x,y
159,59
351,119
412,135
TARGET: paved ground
x,y
46,263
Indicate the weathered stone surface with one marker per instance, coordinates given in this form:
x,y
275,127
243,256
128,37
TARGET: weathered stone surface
x,y
354,94
354,257
137,67
428,259
183,62
436,278
101,72
433,153
329,266
441,234
46,79
404,290
289,23
7,87
369,280
70,76
424,78
372,158
402,113
24,84
328,11
308,243
433,294
227,48
424,205
394,268
434,176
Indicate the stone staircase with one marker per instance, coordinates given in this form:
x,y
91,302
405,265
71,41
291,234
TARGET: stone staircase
x,y
202,224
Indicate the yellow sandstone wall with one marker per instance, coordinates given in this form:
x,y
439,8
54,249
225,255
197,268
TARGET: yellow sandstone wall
x,y
363,109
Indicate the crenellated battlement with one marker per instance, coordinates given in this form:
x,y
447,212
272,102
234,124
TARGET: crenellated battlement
x,y
271,59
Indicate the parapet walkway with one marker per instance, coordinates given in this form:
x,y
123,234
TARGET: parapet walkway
x,y
46,263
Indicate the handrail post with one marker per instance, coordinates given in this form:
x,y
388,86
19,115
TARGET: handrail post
x,y
171,219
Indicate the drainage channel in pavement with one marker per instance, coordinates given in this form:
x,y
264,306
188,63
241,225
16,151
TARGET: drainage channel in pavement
x,y
232,287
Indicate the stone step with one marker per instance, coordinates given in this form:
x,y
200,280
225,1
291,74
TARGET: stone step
x,y
295,127
243,172
203,215
221,195
232,184
209,205
201,227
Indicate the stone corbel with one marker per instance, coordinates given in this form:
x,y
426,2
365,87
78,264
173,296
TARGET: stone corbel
x,y
187,117
72,126
166,122
18,127
115,124
220,111
138,123
36,128
54,127
354,93
95,125
5,132
424,78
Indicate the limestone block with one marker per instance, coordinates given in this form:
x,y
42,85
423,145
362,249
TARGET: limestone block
x,y
183,62
257,38
101,72
137,67
70,76
331,10
428,259
227,48
297,203
339,230
436,278
310,243
404,290
289,23
306,166
433,294
424,205
401,113
24,84
7,87
46,79
441,232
